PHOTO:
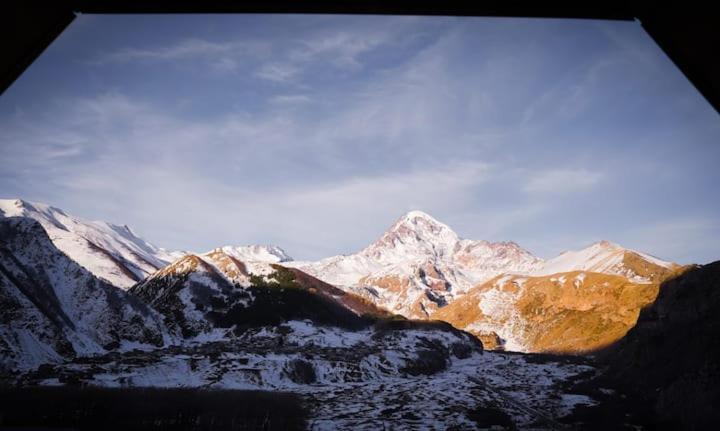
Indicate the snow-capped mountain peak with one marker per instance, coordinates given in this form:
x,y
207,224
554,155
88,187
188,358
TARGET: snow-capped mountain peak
x,y
421,223
420,263
414,236
416,216
606,244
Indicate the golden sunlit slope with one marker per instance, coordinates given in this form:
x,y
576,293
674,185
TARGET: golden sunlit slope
x,y
571,312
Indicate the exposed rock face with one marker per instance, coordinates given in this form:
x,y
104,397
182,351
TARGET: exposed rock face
x,y
490,340
672,356
300,371
572,312
53,309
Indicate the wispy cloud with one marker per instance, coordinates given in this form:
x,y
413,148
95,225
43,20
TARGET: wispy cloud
x,y
290,99
337,48
563,181
343,49
186,49
278,72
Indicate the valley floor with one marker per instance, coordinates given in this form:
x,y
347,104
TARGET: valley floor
x,y
354,380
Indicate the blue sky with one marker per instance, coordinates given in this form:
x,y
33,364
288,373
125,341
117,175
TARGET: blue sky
x,y
316,132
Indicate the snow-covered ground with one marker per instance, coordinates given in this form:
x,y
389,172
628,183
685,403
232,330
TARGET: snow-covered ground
x,y
362,380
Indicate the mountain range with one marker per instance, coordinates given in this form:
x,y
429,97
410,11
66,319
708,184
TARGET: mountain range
x,y
405,322
419,268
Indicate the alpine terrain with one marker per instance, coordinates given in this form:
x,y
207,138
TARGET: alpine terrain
x,y
399,334
576,302
420,265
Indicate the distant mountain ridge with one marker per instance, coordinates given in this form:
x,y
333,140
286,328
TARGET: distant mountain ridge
x,y
114,253
419,265
610,258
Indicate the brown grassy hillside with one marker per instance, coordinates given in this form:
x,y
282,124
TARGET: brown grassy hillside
x,y
573,312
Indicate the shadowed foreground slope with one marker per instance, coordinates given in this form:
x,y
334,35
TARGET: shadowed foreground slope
x,y
668,365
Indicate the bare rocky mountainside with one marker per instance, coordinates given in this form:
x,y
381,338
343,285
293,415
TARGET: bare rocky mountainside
x,y
54,310
572,312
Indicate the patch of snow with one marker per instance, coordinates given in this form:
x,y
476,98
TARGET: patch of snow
x,y
570,401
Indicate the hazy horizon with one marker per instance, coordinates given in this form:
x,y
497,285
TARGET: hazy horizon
x,y
315,133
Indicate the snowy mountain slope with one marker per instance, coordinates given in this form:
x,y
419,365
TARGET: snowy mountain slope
x,y
54,309
114,253
216,292
610,258
419,264
417,268
257,253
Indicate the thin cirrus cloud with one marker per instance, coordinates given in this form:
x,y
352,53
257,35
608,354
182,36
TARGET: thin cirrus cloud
x,y
290,99
338,49
316,133
278,72
185,49
563,181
